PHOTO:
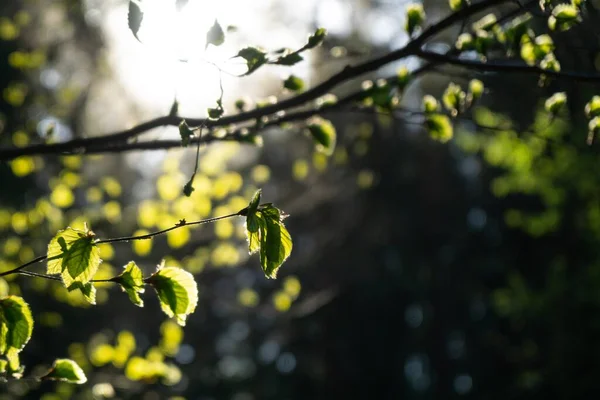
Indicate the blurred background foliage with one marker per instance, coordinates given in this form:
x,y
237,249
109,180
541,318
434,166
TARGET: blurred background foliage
x,y
420,270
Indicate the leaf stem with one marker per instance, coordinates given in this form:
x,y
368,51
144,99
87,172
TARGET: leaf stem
x,y
180,224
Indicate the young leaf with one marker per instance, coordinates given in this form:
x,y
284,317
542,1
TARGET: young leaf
x,y
465,42
185,132
289,59
475,89
555,103
454,99
87,289
456,5
439,127
316,38
177,292
65,370
253,223
74,255
134,18
215,35
324,134
430,104
415,17
16,326
215,113
592,108
293,83
563,17
275,241
132,282
254,202
254,57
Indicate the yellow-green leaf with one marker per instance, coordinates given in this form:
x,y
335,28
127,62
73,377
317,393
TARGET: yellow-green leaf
x,y
324,135
177,292
88,290
16,327
65,370
439,127
275,241
74,255
132,282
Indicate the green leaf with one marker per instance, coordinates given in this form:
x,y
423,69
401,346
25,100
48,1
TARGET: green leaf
x,y
16,316
563,17
65,370
254,57
550,63
555,103
177,292
74,255
254,202
415,17
316,38
16,327
293,83
289,59
253,224
132,282
465,42
215,113
592,108
456,5
134,18
430,104
454,99
275,241
515,30
185,132
324,134
439,127
215,35
475,89
267,234
87,289
240,104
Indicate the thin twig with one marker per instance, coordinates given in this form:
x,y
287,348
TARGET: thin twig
x,y
180,224
119,140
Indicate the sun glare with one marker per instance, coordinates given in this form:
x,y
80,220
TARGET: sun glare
x,y
171,60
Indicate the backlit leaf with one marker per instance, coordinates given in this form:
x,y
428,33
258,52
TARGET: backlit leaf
x,y
16,327
324,134
177,292
293,83
67,371
439,127
132,282
74,255
316,38
254,57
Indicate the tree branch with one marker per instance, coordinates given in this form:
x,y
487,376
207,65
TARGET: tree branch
x,y
118,141
506,66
